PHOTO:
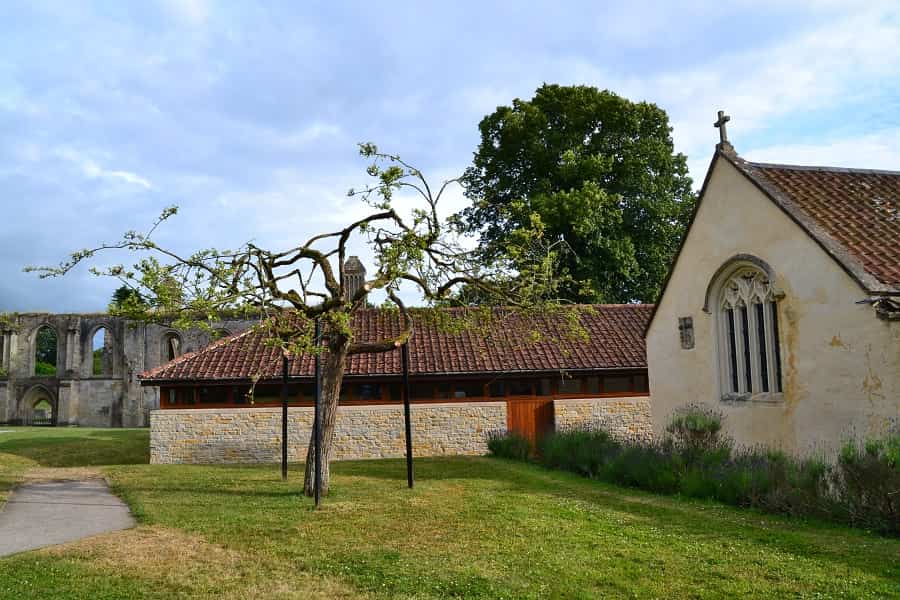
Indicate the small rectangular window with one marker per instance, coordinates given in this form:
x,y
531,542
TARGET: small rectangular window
x,y
686,332
239,395
444,391
640,383
395,391
422,391
497,389
615,384
570,386
520,388
368,392
213,395
468,390
543,387
592,385
267,394
185,396
303,392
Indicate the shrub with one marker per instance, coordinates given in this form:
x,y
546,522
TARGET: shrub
x,y
653,467
582,451
509,444
44,368
867,482
696,430
695,460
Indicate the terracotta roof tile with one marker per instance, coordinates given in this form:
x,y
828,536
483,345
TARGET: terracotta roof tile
x,y
615,341
854,212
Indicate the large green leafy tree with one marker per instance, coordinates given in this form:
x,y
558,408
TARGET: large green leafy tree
x,y
601,173
125,297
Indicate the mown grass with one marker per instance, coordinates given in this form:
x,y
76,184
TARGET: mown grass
x,y
26,448
472,528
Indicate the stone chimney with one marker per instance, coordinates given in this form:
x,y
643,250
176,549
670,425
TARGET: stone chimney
x,y
354,277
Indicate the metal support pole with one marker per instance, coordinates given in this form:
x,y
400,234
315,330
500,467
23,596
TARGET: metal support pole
x,y
284,416
317,421
404,355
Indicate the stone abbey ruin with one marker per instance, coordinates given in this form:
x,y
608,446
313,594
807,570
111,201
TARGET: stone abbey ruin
x,y
82,369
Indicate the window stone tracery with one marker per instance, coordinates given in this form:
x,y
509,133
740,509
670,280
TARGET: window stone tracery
x,y
749,352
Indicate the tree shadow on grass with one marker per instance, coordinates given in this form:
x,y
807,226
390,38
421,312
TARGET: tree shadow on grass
x,y
65,448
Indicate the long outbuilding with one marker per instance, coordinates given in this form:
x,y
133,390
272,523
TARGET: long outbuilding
x,y
510,372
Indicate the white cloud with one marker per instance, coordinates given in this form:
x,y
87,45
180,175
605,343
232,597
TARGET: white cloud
x,y
818,70
873,151
192,12
850,57
299,139
92,170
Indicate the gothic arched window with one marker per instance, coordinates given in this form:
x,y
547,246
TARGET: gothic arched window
x,y
171,346
749,353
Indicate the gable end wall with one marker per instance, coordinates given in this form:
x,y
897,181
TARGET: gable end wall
x,y
841,364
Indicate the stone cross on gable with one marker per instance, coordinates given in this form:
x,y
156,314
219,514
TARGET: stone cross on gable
x,y
723,144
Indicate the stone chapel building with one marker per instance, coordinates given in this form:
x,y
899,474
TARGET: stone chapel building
x,y
782,306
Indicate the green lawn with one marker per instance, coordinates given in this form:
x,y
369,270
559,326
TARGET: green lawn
x,y
472,527
26,449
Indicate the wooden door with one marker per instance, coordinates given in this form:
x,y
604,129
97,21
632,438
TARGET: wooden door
x,y
530,417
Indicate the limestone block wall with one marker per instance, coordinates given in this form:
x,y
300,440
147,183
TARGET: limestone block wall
x,y
625,418
253,435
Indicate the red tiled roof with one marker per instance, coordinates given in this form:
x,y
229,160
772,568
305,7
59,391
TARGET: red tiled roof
x,y
615,341
853,213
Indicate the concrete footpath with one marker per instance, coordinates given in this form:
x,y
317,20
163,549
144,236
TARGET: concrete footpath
x,y
44,514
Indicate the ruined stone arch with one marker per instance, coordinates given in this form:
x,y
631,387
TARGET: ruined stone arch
x,y
100,354
45,351
34,396
171,346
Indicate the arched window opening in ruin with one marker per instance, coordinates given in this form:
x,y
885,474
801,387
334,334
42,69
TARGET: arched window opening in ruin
x,y
42,412
102,353
218,334
46,349
171,346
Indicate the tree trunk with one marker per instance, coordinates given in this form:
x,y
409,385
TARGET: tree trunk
x,y
333,365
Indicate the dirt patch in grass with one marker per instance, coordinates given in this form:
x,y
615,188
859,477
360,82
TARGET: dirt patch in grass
x,y
61,474
191,566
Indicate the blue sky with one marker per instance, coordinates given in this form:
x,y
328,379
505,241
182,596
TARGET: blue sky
x,y
247,116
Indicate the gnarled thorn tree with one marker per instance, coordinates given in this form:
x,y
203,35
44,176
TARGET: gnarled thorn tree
x,y
292,288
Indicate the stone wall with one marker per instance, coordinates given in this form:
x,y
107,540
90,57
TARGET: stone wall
x,y
626,418
242,435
